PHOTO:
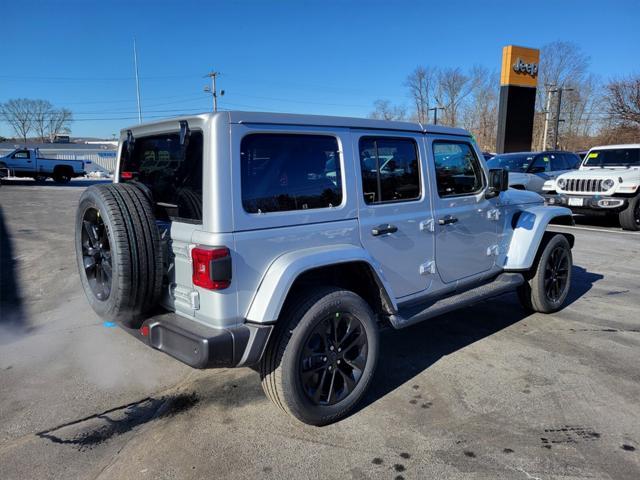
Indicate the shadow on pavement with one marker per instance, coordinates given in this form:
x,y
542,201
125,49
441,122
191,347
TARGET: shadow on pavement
x,y
12,316
406,353
608,221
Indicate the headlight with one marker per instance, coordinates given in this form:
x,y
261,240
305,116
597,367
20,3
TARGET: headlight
x,y
561,183
608,183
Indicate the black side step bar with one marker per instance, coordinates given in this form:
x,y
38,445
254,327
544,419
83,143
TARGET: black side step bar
x,y
505,282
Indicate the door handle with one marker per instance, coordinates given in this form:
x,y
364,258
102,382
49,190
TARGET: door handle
x,y
382,229
448,220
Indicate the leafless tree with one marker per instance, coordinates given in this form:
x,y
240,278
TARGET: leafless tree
x,y
480,115
564,65
42,111
452,88
18,113
59,122
420,83
623,100
384,110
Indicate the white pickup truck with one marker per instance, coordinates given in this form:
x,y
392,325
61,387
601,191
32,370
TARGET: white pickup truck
x,y
608,182
27,162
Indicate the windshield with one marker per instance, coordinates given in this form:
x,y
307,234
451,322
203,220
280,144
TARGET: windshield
x,y
513,162
615,157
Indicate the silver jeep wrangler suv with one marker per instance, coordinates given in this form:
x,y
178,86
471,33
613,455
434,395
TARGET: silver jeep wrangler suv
x,y
286,242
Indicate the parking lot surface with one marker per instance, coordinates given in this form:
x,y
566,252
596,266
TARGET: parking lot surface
x,y
487,392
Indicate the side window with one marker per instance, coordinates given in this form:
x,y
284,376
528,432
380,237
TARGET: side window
x,y
458,171
541,164
282,172
558,162
22,154
390,169
572,160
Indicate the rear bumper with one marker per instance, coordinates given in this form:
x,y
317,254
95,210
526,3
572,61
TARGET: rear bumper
x,y
201,346
586,203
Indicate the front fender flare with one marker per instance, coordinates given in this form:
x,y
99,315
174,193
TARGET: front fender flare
x,y
282,273
529,225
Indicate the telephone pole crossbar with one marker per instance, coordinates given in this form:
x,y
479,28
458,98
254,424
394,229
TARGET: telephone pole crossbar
x,y
212,89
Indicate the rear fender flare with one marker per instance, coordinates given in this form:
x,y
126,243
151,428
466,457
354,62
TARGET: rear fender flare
x,y
283,272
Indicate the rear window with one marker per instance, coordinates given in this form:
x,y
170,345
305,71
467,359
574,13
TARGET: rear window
x,y
283,172
172,173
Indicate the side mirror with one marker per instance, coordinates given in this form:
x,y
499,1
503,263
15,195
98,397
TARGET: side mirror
x,y
498,182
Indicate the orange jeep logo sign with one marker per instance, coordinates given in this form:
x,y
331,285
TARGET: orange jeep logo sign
x,y
520,66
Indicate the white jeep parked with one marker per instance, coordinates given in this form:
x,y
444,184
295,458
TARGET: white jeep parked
x,y
608,182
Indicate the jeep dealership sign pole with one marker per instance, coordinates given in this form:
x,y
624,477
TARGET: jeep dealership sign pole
x,y
518,82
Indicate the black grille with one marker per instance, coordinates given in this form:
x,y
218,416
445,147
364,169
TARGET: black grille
x,y
584,185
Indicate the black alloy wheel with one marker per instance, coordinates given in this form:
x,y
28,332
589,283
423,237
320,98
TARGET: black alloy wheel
x,y
333,358
96,254
556,273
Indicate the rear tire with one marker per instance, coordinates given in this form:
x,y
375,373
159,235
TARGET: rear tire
x,y
61,177
330,332
549,280
630,216
118,252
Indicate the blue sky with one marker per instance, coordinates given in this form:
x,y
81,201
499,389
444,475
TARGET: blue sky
x,y
325,57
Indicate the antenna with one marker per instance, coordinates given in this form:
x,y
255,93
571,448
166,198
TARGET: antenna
x,y
135,62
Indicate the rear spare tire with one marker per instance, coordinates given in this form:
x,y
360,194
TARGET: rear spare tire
x,y
118,252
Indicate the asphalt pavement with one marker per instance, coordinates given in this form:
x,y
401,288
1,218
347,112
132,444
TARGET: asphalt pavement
x,y
487,392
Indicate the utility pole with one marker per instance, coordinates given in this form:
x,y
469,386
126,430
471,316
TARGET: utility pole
x,y
550,90
435,113
557,119
135,63
212,90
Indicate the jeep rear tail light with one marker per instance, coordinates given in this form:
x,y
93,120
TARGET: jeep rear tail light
x,y
126,175
211,267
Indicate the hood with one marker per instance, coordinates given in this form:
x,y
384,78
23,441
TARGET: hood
x,y
602,173
519,197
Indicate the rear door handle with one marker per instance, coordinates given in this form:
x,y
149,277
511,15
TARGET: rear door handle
x,y
382,229
448,220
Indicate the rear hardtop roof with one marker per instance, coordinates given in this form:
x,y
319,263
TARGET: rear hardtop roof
x,y
311,120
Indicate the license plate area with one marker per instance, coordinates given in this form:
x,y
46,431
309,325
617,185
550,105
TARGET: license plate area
x,y
576,202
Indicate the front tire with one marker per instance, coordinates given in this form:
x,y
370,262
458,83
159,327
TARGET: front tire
x,y
549,280
322,356
630,216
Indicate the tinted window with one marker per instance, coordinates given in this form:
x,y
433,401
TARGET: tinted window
x,y
514,162
572,160
614,157
22,154
289,172
558,162
458,171
390,170
172,173
542,163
